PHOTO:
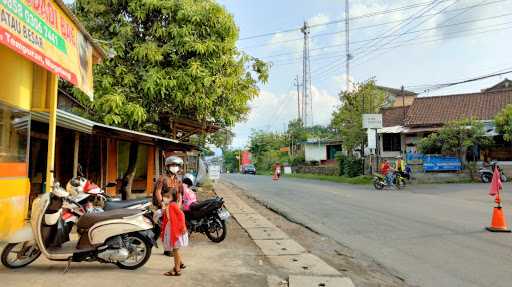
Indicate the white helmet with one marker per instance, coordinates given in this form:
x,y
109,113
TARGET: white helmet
x,y
173,160
189,177
76,186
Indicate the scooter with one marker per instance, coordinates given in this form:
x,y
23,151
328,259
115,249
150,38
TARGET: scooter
x,y
379,181
486,173
208,217
122,237
95,199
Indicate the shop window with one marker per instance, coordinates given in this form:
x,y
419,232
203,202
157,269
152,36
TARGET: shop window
x,y
391,142
14,129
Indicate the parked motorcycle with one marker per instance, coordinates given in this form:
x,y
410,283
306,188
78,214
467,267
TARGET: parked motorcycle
x,y
379,181
95,199
123,237
208,217
486,173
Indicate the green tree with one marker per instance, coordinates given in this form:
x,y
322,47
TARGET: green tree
x,y
171,59
455,138
264,147
231,160
221,139
175,58
347,118
503,122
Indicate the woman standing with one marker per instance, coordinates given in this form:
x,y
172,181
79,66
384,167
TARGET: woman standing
x,y
174,230
168,181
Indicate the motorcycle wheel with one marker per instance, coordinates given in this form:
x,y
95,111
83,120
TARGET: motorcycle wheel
x,y
19,260
378,185
142,249
213,232
486,178
504,178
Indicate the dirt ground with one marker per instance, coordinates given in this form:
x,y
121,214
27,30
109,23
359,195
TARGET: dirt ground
x,y
237,261
363,271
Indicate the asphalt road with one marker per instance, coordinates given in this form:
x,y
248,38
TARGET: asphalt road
x,y
431,235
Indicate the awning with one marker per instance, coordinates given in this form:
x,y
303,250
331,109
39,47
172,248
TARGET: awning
x,y
66,120
79,124
391,130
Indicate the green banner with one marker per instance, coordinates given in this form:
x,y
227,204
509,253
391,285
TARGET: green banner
x,y
32,20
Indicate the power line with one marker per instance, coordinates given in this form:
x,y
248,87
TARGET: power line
x,y
391,35
465,10
376,45
478,78
405,43
443,38
408,21
396,28
363,27
388,11
328,56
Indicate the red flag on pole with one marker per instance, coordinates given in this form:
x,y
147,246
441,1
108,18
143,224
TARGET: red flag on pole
x,y
495,183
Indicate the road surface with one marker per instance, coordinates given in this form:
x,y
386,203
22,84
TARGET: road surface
x,y
432,235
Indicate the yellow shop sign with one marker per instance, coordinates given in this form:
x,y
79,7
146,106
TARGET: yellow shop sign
x,y
42,32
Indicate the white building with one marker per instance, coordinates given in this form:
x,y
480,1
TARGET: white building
x,y
321,151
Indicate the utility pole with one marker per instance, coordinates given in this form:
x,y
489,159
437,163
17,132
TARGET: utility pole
x,y
347,43
403,105
307,102
297,85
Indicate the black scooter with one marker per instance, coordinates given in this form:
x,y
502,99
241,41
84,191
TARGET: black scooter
x,y
208,217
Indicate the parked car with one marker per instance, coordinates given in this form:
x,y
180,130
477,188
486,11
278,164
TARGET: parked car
x,y
249,169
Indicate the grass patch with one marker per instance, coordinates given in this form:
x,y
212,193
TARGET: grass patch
x,y
364,179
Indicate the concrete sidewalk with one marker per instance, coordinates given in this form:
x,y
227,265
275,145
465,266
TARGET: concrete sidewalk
x,y
285,254
236,261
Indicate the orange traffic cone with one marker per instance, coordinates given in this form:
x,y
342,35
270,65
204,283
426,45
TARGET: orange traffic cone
x,y
498,223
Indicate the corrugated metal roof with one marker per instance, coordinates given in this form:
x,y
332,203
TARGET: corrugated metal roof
x,y
77,123
66,120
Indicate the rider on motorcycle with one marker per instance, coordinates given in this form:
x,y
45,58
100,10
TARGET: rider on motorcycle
x,y
388,172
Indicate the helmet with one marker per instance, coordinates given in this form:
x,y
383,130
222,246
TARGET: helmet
x,y
189,179
173,160
76,185
59,191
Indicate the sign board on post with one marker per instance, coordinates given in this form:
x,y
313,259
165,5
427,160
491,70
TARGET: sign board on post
x,y
287,170
214,172
372,121
372,138
44,34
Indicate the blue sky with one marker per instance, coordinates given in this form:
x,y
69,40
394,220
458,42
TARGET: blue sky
x,y
437,54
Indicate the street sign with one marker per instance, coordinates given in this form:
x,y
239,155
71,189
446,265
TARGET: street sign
x,y
372,138
214,172
372,121
287,170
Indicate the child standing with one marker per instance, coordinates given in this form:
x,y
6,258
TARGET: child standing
x,y
174,230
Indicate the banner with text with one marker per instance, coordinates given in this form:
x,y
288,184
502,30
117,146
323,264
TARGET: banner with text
x,y
40,31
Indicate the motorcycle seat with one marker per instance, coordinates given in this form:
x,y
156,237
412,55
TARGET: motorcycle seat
x,y
110,205
89,219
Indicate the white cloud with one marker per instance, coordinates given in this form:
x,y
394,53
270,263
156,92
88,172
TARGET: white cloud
x,y
319,19
324,104
342,81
